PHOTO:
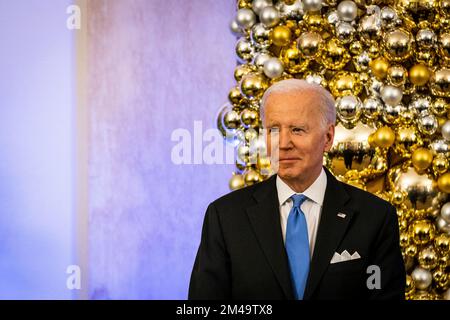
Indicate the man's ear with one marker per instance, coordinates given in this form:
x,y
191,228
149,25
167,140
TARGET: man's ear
x,y
329,137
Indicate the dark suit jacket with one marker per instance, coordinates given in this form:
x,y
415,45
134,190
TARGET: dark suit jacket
x,y
242,253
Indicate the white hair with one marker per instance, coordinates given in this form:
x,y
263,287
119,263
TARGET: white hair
x,y
325,99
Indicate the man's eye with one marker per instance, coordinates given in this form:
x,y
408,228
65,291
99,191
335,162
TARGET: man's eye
x,y
297,130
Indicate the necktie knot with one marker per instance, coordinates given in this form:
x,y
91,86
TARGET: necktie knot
x,y
298,199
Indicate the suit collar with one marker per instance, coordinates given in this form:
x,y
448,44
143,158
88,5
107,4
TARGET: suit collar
x,y
264,217
315,192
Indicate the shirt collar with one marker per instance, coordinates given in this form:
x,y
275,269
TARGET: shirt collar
x,y
315,192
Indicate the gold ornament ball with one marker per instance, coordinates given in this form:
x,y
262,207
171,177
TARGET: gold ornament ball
x,y
234,96
231,120
422,159
428,258
379,67
310,44
384,137
253,86
419,74
422,231
236,182
281,36
440,164
251,177
397,75
411,250
410,286
442,244
249,118
242,70
444,182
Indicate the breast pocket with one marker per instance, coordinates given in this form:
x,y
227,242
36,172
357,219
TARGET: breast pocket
x,y
346,267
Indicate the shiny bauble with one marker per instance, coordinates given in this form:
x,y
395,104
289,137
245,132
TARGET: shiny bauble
x,y
259,60
422,159
245,18
440,164
389,17
251,177
440,83
348,108
269,16
379,67
391,95
444,182
235,96
310,44
235,28
345,32
281,36
236,182
242,70
293,61
334,55
440,107
422,232
419,74
345,83
292,10
426,39
249,118
445,130
428,123
244,50
442,243
422,278
422,193
384,137
398,44
371,107
428,258
273,68
258,5
442,225
420,104
397,75
312,5
260,35
253,86
347,10
231,120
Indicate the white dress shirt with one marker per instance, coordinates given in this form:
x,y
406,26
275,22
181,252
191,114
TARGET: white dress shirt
x,y
311,207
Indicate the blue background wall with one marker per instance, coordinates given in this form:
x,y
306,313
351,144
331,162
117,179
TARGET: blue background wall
x,y
36,149
151,67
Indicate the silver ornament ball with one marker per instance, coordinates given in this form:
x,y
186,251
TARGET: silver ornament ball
x,y
269,16
422,278
445,212
445,130
245,18
273,68
347,11
258,5
391,95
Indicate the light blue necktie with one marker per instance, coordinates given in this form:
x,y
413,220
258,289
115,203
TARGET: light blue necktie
x,y
297,246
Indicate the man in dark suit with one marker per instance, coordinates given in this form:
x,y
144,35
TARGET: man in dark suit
x,y
301,234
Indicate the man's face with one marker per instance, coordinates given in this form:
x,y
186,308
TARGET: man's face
x,y
294,128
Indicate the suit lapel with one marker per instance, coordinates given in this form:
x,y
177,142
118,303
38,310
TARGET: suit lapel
x,y
265,220
331,231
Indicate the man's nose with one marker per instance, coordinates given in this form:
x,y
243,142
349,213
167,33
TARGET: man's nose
x,y
285,139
